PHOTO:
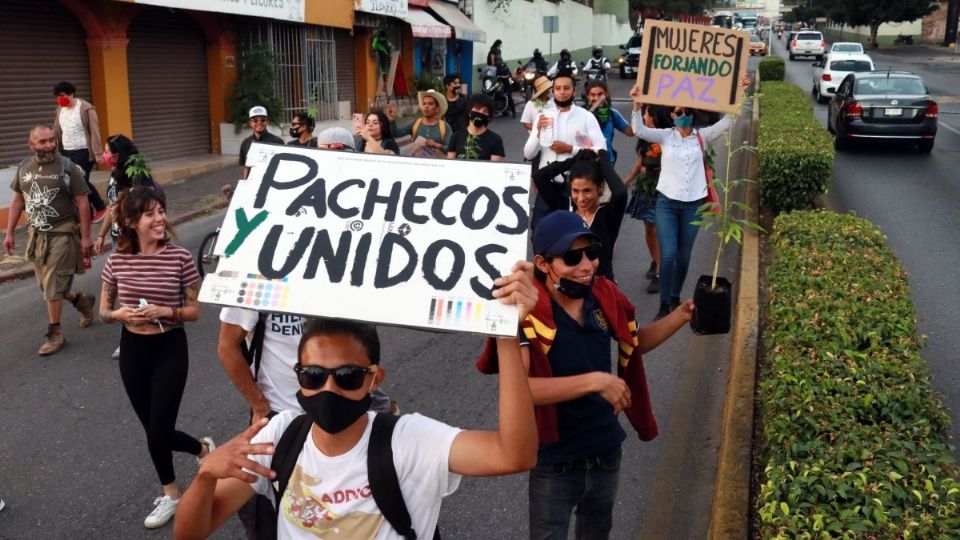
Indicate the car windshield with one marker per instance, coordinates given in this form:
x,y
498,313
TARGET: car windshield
x,y
634,42
808,37
850,65
847,47
755,39
890,85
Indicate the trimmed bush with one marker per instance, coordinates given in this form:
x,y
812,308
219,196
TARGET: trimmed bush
x,y
772,68
795,151
851,439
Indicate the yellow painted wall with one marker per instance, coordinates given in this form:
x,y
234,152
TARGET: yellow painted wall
x,y
221,74
110,83
336,13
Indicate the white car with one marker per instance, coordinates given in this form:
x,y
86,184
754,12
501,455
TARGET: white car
x,y
807,43
829,72
846,47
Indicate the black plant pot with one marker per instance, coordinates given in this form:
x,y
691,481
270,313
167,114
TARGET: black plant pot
x,y
713,306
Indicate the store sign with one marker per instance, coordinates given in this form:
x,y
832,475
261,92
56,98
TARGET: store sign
x,y
383,239
391,8
689,65
286,10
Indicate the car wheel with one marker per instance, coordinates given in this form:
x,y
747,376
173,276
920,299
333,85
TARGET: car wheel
x,y
839,141
926,146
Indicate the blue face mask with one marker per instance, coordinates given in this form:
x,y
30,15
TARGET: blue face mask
x,y
683,122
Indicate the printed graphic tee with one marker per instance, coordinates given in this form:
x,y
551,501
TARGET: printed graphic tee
x,y
47,199
281,337
329,497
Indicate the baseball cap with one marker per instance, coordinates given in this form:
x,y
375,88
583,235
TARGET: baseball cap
x,y
335,136
258,110
558,231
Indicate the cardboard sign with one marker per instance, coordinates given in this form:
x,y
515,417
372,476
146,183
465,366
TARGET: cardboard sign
x,y
384,239
688,65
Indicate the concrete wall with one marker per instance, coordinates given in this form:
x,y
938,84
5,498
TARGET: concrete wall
x,y
886,34
935,25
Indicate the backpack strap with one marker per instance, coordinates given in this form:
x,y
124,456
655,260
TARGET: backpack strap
x,y
419,121
286,454
65,164
384,484
254,352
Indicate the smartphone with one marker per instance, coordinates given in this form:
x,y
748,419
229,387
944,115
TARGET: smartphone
x,y
143,302
357,122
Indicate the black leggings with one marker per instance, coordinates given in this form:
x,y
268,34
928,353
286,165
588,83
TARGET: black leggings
x,y
154,372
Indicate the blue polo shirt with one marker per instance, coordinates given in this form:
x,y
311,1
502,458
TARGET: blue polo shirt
x,y
587,425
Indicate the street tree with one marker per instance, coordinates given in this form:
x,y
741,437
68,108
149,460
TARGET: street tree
x,y
873,13
671,7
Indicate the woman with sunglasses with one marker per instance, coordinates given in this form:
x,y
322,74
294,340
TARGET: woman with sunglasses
x,y
681,190
375,136
156,284
338,369
588,174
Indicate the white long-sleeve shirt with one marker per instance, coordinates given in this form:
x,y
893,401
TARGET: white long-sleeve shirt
x,y
682,177
576,127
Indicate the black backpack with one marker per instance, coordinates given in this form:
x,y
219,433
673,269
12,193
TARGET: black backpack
x,y
254,351
384,484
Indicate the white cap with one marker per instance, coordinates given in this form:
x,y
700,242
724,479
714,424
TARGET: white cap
x,y
258,111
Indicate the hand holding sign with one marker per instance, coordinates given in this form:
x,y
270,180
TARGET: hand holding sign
x,y
517,289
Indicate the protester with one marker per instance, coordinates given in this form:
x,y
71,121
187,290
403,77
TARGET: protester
x,y
375,135
117,152
456,115
562,129
77,131
578,400
537,102
429,126
643,178
259,122
565,63
589,172
477,142
429,456
609,118
301,129
156,284
681,190
495,56
51,189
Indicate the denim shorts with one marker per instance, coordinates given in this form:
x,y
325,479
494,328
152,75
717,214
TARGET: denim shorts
x,y
642,207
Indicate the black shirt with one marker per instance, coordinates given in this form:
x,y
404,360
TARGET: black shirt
x,y
266,138
609,216
456,116
482,146
386,144
312,143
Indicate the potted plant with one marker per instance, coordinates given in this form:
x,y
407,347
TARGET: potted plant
x,y
713,294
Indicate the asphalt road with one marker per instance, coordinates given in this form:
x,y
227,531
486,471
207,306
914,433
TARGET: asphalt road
x,y
74,462
913,198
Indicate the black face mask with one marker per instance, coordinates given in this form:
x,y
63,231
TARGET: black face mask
x,y
295,133
333,412
479,119
563,104
574,289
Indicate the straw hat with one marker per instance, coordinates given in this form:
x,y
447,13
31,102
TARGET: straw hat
x,y
438,97
540,85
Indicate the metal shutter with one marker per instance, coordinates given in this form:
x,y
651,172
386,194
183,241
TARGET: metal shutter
x,y
167,63
41,43
346,69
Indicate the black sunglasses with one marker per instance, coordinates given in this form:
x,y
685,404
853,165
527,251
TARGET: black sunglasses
x,y
574,256
346,377
683,112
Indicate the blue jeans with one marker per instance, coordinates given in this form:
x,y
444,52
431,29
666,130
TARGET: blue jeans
x,y
676,236
587,484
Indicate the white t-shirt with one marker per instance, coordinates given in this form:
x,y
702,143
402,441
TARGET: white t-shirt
x,y
329,497
281,337
530,111
72,128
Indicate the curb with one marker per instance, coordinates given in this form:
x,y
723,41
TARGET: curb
x,y
730,515
26,270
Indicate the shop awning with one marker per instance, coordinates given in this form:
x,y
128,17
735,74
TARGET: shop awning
x,y
425,26
463,27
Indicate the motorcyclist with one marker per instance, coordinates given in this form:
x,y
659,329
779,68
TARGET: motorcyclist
x,y
565,62
598,61
539,62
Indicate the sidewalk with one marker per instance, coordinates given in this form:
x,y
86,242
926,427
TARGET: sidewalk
x,y
192,186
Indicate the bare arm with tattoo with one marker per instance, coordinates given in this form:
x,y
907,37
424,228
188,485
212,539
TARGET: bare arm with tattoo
x,y
191,306
108,297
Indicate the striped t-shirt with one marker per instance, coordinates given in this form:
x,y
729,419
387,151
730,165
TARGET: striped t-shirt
x,y
159,278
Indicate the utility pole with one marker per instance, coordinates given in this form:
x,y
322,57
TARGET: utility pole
x,y
953,14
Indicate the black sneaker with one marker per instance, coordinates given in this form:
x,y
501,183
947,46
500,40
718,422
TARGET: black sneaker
x,y
664,311
652,271
654,286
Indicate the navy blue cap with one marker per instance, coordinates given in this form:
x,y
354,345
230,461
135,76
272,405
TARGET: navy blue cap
x,y
558,231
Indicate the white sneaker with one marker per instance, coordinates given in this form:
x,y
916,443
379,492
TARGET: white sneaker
x,y
164,510
211,446
116,353
2,504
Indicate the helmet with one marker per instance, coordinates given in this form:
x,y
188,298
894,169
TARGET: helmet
x,y
536,52
597,52
565,54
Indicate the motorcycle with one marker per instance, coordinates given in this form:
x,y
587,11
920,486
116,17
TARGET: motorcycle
x,y
524,76
594,73
498,85
903,40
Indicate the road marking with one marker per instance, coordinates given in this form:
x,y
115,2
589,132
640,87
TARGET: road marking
x,y
953,129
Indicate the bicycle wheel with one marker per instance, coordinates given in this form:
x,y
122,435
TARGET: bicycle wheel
x,y
206,260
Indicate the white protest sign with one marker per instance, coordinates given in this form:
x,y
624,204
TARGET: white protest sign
x,y
384,239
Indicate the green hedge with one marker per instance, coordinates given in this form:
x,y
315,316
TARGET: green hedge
x,y
851,439
795,151
772,68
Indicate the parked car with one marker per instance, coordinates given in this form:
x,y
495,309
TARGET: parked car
x,y
757,45
630,59
807,43
888,105
846,47
830,71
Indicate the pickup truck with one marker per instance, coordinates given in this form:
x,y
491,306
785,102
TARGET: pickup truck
x,y
630,59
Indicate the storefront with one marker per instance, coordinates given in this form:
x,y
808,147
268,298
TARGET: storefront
x,y
459,52
384,52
